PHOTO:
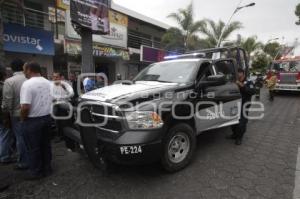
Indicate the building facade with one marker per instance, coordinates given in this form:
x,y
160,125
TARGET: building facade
x,y
42,31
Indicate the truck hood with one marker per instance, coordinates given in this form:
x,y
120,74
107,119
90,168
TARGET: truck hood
x,y
118,91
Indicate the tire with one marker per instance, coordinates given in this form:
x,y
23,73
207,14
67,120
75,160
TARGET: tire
x,y
91,147
183,139
90,142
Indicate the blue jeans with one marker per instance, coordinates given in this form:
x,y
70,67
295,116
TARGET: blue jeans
x,y
21,149
37,136
6,144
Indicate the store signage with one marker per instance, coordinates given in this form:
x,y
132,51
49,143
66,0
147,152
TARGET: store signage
x,y
117,36
118,18
149,54
74,48
63,4
22,39
91,14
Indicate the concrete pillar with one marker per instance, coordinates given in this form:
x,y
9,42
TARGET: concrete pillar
x,y
87,51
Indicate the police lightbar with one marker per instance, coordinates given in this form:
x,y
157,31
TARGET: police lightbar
x,y
191,55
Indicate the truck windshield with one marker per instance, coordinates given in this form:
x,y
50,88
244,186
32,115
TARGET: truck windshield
x,y
170,72
291,66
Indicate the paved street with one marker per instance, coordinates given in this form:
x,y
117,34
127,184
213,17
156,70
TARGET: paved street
x,y
263,167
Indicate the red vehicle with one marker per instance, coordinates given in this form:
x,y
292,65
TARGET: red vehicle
x,y
288,74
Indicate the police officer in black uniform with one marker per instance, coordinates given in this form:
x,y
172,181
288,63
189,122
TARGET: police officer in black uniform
x,y
247,90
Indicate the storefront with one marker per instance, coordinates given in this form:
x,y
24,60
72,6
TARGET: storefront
x,y
110,51
108,60
29,44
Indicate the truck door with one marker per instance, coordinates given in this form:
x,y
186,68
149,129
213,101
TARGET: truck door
x,y
228,94
219,98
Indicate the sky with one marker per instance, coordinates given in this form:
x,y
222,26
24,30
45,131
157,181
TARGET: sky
x,y
267,19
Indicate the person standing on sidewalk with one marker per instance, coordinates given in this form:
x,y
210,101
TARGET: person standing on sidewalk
x,y
5,150
36,102
6,138
271,84
11,109
247,91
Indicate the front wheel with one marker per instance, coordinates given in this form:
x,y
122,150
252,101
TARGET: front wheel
x,y
178,147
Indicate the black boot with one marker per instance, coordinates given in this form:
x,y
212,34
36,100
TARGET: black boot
x,y
238,141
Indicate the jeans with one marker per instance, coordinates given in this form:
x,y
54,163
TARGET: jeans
x,y
21,150
37,136
6,144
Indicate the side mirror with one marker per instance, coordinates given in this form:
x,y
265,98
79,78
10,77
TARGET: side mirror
x,y
213,80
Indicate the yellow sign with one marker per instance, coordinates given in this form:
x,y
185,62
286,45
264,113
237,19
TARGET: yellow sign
x,y
118,18
63,4
73,47
61,15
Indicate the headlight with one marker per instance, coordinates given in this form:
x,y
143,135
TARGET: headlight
x,y
143,120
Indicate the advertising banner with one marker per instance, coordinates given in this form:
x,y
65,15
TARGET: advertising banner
x,y
149,54
22,39
73,47
91,14
63,4
118,18
116,37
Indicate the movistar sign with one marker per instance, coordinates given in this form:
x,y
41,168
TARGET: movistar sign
x,y
22,39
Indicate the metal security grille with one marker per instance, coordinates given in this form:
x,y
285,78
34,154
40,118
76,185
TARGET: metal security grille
x,y
25,16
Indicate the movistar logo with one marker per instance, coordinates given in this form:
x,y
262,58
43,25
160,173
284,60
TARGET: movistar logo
x,y
23,40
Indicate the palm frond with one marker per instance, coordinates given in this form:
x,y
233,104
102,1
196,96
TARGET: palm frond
x,y
236,25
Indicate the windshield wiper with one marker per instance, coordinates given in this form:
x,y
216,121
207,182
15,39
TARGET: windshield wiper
x,y
164,81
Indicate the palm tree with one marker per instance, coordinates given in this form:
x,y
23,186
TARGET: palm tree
x,y
213,31
251,44
187,29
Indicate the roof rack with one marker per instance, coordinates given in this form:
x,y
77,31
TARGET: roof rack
x,y
202,53
216,50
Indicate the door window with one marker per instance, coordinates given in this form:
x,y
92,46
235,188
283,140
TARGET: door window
x,y
227,69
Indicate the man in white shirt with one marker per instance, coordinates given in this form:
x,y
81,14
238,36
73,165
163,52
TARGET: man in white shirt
x,y
36,102
60,90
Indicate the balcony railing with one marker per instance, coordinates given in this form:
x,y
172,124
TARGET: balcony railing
x,y
135,41
12,13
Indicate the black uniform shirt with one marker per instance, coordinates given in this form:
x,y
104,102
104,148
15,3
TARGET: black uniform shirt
x,y
247,91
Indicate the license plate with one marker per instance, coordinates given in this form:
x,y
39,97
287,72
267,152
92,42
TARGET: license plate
x,y
127,150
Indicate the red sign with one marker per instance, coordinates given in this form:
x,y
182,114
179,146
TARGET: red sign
x,y
149,54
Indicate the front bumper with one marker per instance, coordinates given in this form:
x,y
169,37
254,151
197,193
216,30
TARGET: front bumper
x,y
132,147
287,87
129,147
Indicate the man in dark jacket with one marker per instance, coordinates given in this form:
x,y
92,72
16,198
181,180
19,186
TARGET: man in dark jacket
x,y
3,176
11,109
247,90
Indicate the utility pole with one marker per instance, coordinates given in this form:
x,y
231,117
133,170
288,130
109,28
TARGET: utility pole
x,y
238,8
2,54
87,58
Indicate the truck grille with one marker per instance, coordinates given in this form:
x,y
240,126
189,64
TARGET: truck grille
x,y
107,117
288,78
